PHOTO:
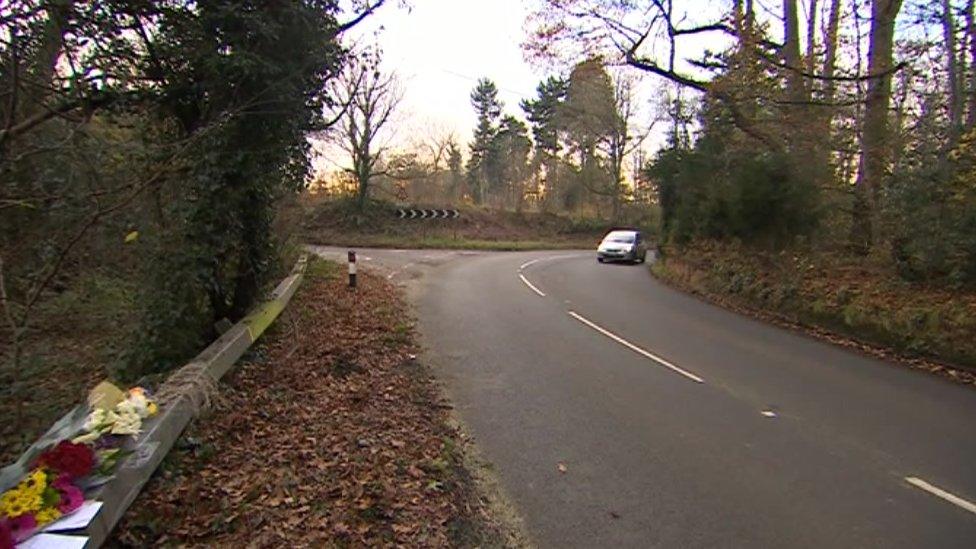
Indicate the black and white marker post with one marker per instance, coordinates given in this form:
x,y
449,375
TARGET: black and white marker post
x,y
352,269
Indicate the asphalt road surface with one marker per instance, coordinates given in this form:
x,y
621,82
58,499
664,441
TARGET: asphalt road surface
x,y
620,413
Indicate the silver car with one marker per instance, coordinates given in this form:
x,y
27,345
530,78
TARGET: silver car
x,y
622,245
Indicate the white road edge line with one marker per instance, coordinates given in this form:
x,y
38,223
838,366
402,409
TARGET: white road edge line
x,y
637,349
398,271
529,284
936,491
550,258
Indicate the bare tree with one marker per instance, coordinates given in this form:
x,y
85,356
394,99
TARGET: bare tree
x,y
367,97
435,143
624,140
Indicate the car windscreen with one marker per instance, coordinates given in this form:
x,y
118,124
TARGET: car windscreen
x,y
621,238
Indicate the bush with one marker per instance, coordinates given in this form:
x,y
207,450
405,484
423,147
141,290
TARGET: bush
x,y
930,211
709,191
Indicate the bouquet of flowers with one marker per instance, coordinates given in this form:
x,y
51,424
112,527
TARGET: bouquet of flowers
x,y
55,482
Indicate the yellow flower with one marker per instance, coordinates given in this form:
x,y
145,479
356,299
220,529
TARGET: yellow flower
x,y
10,504
14,510
36,481
32,502
47,515
26,497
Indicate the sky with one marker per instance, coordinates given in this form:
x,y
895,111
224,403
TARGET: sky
x,y
439,49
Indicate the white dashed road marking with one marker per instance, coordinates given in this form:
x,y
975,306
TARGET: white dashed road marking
x,y
638,350
939,492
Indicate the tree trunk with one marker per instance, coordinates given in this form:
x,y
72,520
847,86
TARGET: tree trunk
x,y
791,50
363,181
811,37
971,34
830,55
46,57
952,75
823,114
796,110
875,134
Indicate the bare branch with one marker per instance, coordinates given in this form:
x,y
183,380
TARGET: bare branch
x,y
367,11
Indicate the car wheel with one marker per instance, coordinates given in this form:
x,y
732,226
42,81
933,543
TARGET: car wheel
x,y
599,260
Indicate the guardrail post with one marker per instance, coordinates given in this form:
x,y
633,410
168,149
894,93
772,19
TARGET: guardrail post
x,y
352,269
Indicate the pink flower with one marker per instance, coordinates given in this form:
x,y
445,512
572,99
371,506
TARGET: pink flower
x,y
22,526
62,481
71,498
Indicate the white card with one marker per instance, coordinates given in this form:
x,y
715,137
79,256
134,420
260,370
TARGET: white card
x,y
54,541
77,520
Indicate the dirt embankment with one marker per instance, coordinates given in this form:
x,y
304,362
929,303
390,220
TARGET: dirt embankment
x,y
862,304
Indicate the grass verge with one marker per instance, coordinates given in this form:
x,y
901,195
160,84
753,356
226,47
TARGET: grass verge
x,y
447,243
328,434
342,223
860,304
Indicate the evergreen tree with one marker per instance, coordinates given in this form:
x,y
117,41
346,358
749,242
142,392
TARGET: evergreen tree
x,y
454,165
514,145
588,116
244,80
542,115
484,161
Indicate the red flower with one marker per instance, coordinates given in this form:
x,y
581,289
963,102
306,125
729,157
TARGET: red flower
x,y
74,460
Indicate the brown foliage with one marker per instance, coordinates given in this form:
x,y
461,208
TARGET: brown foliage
x,y
330,435
858,304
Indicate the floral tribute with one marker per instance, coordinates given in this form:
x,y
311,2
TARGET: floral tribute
x,y
57,478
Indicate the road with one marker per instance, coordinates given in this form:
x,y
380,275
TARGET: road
x,y
618,412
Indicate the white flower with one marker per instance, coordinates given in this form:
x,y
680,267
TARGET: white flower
x,y
139,403
125,408
87,438
95,420
126,423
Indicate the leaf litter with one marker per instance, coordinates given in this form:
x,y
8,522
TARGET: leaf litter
x,y
333,436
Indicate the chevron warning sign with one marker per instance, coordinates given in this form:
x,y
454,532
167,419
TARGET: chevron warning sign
x,y
427,213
